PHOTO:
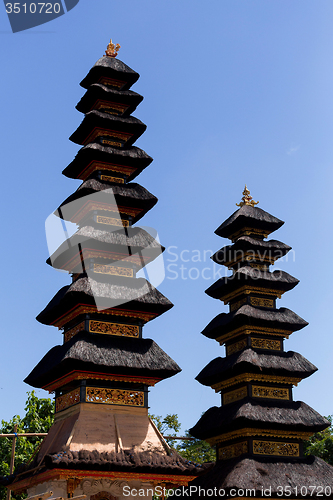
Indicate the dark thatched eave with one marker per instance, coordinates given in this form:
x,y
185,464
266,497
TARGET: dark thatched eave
x,y
253,316
277,280
129,241
274,415
103,354
105,121
260,249
111,68
102,93
287,364
311,473
250,217
131,157
130,293
128,195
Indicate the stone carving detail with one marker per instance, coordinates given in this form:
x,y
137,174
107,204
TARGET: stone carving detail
x,y
69,399
232,451
274,345
113,328
259,391
276,448
114,396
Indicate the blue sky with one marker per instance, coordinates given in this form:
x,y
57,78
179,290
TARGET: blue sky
x,y
235,92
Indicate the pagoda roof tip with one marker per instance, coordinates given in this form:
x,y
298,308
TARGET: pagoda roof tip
x,y
247,199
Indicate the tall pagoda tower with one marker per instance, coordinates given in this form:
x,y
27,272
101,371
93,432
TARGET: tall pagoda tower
x,y
102,438
258,430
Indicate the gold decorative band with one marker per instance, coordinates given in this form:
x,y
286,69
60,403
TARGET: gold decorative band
x,y
113,270
114,396
261,302
119,329
110,178
67,400
112,108
249,432
251,377
272,345
232,451
237,346
247,231
73,331
111,82
111,221
236,395
238,304
110,134
276,448
259,391
247,289
248,330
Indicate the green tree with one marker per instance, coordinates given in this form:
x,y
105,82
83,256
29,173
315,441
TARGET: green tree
x,y
38,418
193,450
321,443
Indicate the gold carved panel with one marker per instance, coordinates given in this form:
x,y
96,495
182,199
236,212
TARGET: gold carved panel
x,y
113,270
237,305
110,178
73,331
67,400
114,328
236,395
237,346
275,448
114,396
111,221
232,451
260,302
259,391
273,345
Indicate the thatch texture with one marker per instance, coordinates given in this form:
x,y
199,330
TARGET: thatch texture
x,y
132,157
267,474
253,316
132,293
260,249
107,122
106,354
250,217
110,68
288,364
129,241
129,195
275,415
277,280
100,92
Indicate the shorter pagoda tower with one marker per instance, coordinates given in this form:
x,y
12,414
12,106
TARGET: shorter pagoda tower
x,y
102,440
258,430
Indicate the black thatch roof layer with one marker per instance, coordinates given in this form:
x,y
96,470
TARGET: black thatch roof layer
x,y
259,249
102,93
129,195
277,280
253,316
288,364
130,293
131,241
312,473
106,354
110,68
248,217
131,157
97,119
278,415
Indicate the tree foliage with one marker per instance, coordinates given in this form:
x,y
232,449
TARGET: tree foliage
x,y
38,418
321,443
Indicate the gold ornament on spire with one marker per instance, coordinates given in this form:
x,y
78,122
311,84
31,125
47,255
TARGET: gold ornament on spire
x,y
247,199
112,49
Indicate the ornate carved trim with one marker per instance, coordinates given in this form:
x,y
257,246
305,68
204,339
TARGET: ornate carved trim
x,y
113,270
247,289
111,82
73,331
262,302
114,396
247,231
275,448
102,132
237,346
119,329
238,304
249,432
110,178
248,330
249,377
259,391
236,395
232,451
111,221
90,206
269,344
67,400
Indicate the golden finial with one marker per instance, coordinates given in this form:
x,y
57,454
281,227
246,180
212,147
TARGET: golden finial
x,y
247,199
112,49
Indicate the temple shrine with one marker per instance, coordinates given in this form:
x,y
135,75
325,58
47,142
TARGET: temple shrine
x,y
102,438
258,430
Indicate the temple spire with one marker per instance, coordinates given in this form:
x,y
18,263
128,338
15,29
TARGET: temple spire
x,y
247,199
